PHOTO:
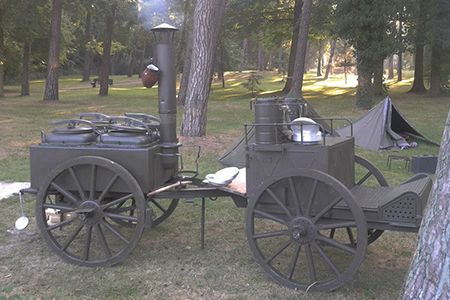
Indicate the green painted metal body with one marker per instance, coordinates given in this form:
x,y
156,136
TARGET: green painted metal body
x,y
144,163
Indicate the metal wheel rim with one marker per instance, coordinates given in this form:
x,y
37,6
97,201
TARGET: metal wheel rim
x,y
160,212
373,234
360,225
130,241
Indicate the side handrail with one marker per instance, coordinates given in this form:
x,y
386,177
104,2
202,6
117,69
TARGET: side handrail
x,y
336,119
277,126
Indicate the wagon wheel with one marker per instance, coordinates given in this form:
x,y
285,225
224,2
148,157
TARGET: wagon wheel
x,y
287,225
369,171
85,192
161,209
365,174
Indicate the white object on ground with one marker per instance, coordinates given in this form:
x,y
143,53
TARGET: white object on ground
x,y
7,189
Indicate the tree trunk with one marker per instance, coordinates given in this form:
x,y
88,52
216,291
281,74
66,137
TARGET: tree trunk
x,y
435,81
319,60
378,88
391,67
330,59
428,276
244,50
221,63
186,28
131,64
26,64
399,66
269,60
87,53
141,60
260,57
51,84
364,89
2,55
418,86
106,56
293,50
181,99
400,49
2,78
300,56
208,15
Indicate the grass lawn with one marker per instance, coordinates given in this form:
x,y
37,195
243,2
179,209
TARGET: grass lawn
x,y
168,262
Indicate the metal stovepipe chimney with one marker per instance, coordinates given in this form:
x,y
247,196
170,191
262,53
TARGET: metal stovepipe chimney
x,y
164,34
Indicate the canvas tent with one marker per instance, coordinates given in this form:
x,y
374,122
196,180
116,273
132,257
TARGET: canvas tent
x,y
382,127
235,155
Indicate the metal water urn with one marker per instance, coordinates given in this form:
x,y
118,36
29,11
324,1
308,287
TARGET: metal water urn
x,y
268,112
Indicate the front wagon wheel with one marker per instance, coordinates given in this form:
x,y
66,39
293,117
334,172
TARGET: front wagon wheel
x,y
79,206
287,222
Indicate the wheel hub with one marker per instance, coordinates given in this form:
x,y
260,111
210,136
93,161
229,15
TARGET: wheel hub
x,y
90,212
302,230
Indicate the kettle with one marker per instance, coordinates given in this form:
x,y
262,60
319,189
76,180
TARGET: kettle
x,y
150,76
306,130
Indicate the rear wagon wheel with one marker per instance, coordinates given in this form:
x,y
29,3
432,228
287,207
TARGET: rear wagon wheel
x,y
287,224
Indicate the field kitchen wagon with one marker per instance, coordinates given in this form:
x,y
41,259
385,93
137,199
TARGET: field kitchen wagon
x,y
101,180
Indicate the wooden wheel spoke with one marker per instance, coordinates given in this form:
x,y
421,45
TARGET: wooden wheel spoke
x,y
119,201
279,202
350,236
336,244
332,232
297,205
278,252
77,184
72,237
60,207
269,234
311,198
158,205
115,232
326,209
326,259
311,267
120,217
269,216
50,199
87,244
63,223
107,188
103,241
93,182
335,225
294,261
364,178
121,210
65,193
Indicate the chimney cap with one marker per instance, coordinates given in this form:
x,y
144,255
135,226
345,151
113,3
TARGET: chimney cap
x,y
164,27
